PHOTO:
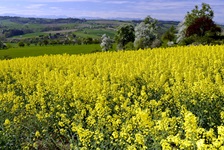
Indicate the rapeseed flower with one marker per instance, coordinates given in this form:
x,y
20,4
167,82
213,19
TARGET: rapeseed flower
x,y
146,99
7,123
37,134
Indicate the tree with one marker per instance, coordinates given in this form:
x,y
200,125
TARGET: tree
x,y
88,40
202,31
124,35
205,11
201,26
45,42
106,43
169,36
28,43
3,45
145,33
152,22
129,46
190,18
21,44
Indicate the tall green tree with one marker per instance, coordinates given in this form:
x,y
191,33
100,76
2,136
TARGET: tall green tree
x,y
205,11
124,35
168,38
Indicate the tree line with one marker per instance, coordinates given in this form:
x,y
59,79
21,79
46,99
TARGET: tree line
x,y
197,28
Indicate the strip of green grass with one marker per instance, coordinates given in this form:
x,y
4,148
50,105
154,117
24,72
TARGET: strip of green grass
x,y
95,33
49,50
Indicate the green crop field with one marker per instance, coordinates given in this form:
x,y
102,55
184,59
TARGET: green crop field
x,y
95,33
48,50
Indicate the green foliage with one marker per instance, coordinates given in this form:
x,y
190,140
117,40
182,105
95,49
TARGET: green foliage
x,y
129,46
124,35
8,45
187,41
3,45
88,40
28,43
198,27
151,21
139,44
45,42
205,11
5,57
169,36
21,44
198,40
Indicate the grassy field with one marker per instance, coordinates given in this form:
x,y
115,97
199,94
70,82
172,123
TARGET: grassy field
x,y
95,33
48,50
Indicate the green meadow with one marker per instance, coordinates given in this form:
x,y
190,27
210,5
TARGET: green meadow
x,y
48,50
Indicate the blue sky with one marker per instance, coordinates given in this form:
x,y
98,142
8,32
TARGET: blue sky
x,y
159,9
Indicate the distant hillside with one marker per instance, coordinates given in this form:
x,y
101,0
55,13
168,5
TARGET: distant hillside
x,y
20,27
28,27
21,20
65,31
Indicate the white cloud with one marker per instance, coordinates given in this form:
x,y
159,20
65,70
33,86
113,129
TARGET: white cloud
x,y
55,8
117,2
76,0
35,6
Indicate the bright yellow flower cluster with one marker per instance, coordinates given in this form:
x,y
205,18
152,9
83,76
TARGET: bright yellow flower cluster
x,y
148,99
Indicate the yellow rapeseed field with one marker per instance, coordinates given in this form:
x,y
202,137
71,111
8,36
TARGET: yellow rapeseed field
x,y
167,99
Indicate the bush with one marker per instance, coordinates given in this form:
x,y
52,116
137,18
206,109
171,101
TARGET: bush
x,y
129,46
21,44
6,57
3,45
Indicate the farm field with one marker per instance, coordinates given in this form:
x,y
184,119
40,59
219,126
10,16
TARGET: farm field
x,y
85,33
48,50
169,98
95,33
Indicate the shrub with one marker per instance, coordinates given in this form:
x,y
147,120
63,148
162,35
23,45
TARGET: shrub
x,y
21,44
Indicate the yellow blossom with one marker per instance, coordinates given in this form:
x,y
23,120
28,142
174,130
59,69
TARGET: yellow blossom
x,y
115,134
37,134
139,138
7,122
